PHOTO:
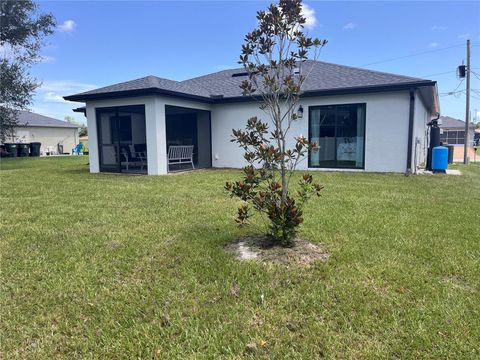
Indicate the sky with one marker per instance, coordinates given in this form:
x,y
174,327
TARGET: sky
x,y
99,43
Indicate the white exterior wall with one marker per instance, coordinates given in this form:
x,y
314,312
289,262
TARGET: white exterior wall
x,y
386,129
48,136
420,140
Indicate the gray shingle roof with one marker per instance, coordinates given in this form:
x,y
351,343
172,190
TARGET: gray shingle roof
x,y
27,118
150,82
452,123
322,76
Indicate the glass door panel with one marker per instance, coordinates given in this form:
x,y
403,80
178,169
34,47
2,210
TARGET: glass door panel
x,y
323,134
339,130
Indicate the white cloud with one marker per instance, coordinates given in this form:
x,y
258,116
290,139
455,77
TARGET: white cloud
x,y
309,14
349,26
66,87
433,44
438,27
53,91
49,98
53,97
67,26
463,36
46,59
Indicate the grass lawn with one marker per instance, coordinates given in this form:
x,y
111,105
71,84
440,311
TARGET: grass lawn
x,y
126,267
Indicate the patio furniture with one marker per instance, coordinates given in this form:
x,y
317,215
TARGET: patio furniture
x,y
180,155
77,150
132,157
139,152
50,150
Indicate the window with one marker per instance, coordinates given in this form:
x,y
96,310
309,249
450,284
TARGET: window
x,y
460,137
443,137
453,137
339,131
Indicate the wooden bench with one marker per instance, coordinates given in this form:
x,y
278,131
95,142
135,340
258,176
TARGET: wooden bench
x,y
180,155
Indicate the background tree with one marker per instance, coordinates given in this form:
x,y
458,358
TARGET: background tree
x,y
274,55
82,128
22,31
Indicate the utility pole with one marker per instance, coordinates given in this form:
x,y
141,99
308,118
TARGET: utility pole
x,y
467,105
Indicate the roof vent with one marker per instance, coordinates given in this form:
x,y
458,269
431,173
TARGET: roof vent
x,y
216,96
240,74
296,71
243,74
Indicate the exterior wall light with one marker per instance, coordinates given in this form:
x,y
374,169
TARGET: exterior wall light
x,y
300,112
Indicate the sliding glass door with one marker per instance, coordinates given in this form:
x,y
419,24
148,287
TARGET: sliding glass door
x,y
339,132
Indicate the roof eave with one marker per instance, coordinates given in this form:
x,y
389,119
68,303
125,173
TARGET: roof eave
x,y
310,93
136,92
47,126
346,91
81,109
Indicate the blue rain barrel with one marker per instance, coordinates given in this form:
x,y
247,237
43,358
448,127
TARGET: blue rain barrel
x,y
440,158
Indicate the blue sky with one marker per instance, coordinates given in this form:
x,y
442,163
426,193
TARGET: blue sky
x,y
98,43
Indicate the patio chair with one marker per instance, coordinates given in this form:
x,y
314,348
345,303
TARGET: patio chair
x,y
50,150
77,150
180,155
132,158
139,154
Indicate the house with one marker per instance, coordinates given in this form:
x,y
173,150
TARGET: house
x,y
363,120
54,135
452,132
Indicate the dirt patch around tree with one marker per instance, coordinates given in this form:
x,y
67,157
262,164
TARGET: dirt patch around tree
x,y
261,249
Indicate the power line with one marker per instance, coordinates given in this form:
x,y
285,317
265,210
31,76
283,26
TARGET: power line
x,y
476,75
442,73
457,94
460,83
411,55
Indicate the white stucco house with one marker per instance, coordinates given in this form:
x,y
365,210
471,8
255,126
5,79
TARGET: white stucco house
x,y
53,134
363,120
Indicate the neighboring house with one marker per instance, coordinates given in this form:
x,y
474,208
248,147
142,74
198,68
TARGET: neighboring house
x,y
48,131
453,133
363,120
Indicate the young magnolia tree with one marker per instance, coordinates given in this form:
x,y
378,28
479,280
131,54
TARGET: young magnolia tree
x,y
274,56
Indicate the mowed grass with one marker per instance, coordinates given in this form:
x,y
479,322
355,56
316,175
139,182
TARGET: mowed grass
x,y
97,266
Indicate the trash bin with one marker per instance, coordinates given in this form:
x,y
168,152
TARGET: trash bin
x,y
11,149
439,159
35,148
22,149
451,150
